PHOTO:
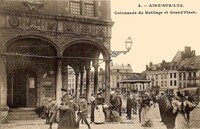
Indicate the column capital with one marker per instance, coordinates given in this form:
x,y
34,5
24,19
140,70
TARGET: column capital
x,y
108,61
87,67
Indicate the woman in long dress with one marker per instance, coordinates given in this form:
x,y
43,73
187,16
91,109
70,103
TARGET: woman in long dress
x,y
145,114
179,104
99,116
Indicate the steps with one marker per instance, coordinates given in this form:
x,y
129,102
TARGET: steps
x,y
22,114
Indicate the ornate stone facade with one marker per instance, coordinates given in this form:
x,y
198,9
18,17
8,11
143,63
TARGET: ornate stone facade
x,y
52,24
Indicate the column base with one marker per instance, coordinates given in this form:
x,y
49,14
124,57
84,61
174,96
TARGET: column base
x,y
4,115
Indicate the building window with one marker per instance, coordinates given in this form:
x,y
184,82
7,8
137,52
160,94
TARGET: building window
x,y
184,76
165,83
170,75
190,74
174,75
174,82
161,83
49,91
165,76
89,8
171,83
156,76
161,76
156,83
180,76
194,74
75,7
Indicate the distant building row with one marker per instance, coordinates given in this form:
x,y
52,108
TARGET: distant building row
x,y
182,72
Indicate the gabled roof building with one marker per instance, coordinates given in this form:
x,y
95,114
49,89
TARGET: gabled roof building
x,y
182,72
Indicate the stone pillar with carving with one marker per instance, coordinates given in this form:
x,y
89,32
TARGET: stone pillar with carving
x,y
81,83
59,81
76,83
3,90
107,89
87,68
96,77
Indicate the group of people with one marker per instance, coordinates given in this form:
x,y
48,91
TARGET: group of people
x,y
174,109
68,113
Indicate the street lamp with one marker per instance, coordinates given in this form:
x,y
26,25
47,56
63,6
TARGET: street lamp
x,y
128,44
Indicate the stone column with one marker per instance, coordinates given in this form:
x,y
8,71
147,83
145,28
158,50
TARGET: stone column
x,y
96,78
81,83
59,81
107,89
3,90
87,80
107,82
76,85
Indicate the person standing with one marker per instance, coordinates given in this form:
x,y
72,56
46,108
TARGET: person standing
x,y
160,105
145,115
179,105
188,109
129,106
47,110
99,116
92,101
66,113
82,111
168,117
116,101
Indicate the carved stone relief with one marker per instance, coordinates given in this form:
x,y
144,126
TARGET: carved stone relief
x,y
14,21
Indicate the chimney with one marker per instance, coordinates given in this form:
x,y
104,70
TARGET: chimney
x,y
193,53
163,62
150,64
187,51
147,67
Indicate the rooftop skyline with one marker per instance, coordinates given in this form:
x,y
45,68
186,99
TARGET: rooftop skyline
x,y
155,37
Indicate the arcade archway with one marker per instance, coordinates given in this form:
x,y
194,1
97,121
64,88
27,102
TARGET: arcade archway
x,y
82,56
31,75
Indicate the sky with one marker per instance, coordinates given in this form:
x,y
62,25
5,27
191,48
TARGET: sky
x,y
155,37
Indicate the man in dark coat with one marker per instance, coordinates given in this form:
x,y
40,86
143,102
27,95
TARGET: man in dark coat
x,y
160,102
187,108
116,101
168,117
92,101
129,106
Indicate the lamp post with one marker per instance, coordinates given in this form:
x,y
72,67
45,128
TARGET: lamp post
x,y
128,44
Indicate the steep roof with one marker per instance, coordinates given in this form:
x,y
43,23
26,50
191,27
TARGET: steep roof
x,y
190,63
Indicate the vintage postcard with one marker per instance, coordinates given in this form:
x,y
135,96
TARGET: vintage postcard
x,y
88,64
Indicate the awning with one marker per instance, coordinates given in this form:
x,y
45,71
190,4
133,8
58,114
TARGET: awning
x,y
192,90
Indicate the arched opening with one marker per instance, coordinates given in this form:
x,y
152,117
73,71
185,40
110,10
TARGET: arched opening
x,y
84,57
31,70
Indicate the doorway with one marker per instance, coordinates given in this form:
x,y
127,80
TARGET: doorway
x,y
22,88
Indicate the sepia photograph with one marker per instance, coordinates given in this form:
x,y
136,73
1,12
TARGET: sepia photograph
x,y
99,64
